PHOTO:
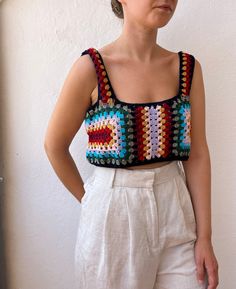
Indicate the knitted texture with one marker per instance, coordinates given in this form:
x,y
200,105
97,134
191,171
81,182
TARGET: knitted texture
x,y
122,134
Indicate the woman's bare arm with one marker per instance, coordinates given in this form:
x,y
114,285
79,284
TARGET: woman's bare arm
x,y
66,120
198,176
197,168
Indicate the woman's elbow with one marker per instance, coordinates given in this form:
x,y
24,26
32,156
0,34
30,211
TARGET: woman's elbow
x,y
51,146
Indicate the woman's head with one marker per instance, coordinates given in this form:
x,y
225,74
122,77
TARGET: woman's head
x,y
144,12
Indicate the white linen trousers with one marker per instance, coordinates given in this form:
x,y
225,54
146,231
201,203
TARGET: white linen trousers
x,y
137,230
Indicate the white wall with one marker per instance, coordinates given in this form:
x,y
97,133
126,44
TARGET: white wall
x,y
40,41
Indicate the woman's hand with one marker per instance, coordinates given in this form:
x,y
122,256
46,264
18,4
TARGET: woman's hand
x,y
206,262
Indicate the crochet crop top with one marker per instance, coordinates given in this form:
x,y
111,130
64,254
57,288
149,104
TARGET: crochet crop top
x,y
122,134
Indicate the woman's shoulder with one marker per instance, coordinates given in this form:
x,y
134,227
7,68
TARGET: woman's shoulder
x,y
192,55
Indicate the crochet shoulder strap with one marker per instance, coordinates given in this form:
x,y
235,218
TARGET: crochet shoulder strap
x,y
186,73
104,85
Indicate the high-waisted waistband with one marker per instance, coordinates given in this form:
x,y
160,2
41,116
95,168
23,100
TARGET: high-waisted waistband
x,y
149,177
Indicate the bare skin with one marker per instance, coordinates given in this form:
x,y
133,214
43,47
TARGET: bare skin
x,y
140,70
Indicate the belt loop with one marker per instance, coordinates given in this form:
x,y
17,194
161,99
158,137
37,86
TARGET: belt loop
x,y
112,177
181,168
154,177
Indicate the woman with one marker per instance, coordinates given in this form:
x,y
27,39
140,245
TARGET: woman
x,y
146,216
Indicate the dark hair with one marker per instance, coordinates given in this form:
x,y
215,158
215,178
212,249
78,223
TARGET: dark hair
x,y
117,8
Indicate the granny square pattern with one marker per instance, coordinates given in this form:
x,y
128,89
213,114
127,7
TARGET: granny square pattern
x,y
124,134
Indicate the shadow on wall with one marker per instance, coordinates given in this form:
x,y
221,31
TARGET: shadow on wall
x,y
3,272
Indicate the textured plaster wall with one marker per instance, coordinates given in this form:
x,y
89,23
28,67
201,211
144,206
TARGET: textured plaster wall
x,y
39,42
